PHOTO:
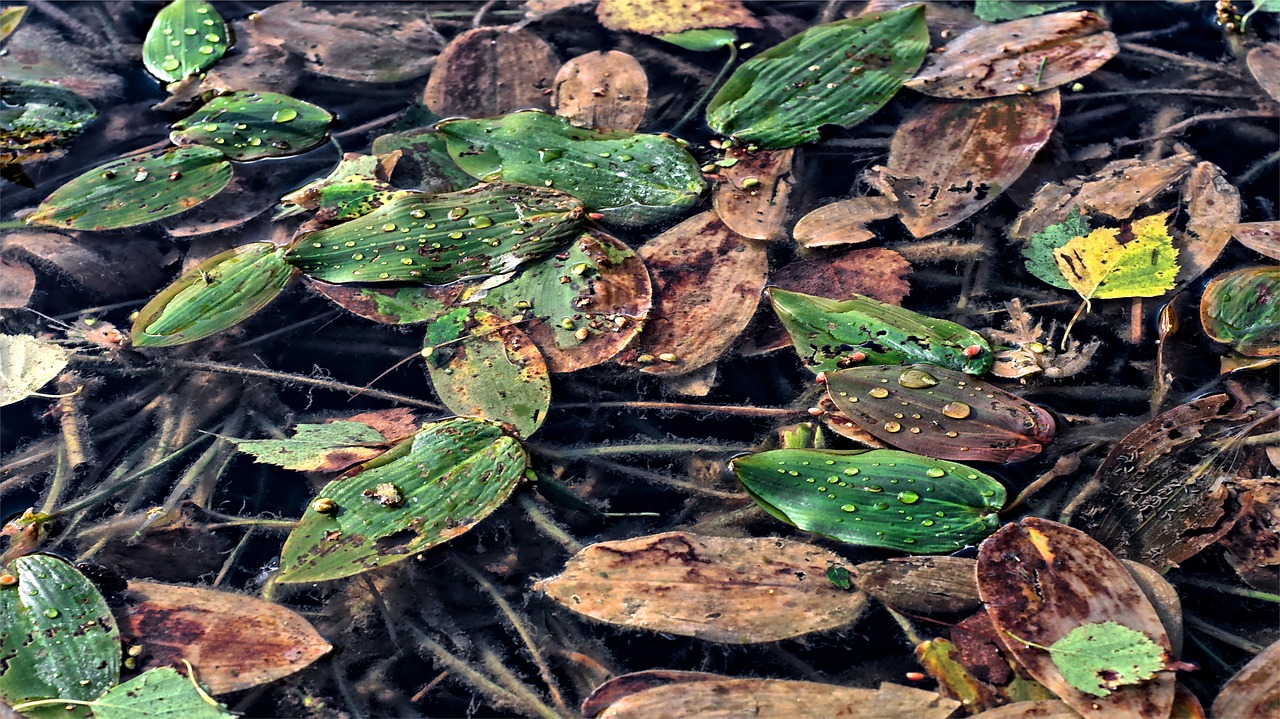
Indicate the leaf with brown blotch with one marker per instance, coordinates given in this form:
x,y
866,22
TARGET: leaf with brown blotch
x,y
949,159
1213,206
664,17
620,686
1254,691
1040,580
962,675
920,585
707,282
1261,237
1253,544
602,91
721,589
726,698
1018,57
752,194
234,641
17,282
1264,65
844,222
489,71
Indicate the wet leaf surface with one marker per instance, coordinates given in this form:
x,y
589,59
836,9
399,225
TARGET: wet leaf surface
x,y
602,91
1261,237
620,686
1213,206
27,363
186,38
1254,691
490,71
252,125
658,17
925,585
38,115
752,194
424,162
844,222
1240,308
726,697
160,693
1098,266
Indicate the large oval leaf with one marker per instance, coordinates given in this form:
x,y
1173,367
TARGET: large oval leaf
x,y
485,230
631,178
252,125
1242,308
187,37
839,73
220,292
137,189
877,498
424,492
602,90
487,71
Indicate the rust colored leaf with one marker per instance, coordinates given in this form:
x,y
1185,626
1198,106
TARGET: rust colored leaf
x,y
1213,206
707,281
1264,65
393,424
620,686
1017,57
844,222
662,17
924,585
722,589
949,159
1254,691
752,194
726,698
96,265
1261,237
839,422
234,641
490,71
602,91
17,282
1253,544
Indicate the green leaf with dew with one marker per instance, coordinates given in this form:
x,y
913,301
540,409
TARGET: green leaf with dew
x,y
186,38
1241,308
253,125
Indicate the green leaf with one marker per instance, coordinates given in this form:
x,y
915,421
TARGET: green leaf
x,y
830,334
27,363
356,187
252,125
483,366
1098,266
427,490
424,162
1038,255
306,450
136,190
220,292
631,178
160,693
1000,10
57,637
186,38
703,39
839,577
37,114
486,230
1240,308
877,498
10,17
839,73
1096,658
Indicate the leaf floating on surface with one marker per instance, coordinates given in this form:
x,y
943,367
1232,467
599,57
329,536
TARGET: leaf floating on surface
x,y
1097,658
186,38
1039,252
27,363
157,694
1098,267
354,188
752,194
424,162
328,447
35,115
923,585
839,73
1241,308
253,125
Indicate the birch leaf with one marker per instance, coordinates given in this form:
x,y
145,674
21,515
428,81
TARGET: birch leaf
x,y
1099,266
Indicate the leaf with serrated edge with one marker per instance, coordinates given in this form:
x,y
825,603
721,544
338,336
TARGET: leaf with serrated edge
x,y
160,693
187,37
1099,267
1097,658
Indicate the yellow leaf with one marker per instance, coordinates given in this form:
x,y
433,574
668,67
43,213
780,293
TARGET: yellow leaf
x,y
657,17
1098,266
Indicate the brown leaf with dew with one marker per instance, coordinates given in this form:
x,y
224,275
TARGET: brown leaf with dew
x,y
1254,691
1213,207
602,90
661,17
844,222
488,71
752,194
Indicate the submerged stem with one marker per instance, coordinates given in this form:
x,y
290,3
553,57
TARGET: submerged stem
x,y
688,115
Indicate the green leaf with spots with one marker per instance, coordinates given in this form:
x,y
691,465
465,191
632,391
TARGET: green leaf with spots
x,y
877,498
1099,657
220,292
1241,308
136,190
253,125
35,115
830,334
160,693
1038,255
424,492
483,366
186,38
1000,10
489,229
631,178
311,444
839,73
357,186
57,637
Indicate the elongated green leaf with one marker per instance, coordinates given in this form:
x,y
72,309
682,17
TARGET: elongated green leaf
x,y
831,335
310,444
425,491
135,190
485,230
702,39
160,693
1242,308
1038,254
839,73
187,37
878,498
58,639
253,125
37,114
631,178
220,292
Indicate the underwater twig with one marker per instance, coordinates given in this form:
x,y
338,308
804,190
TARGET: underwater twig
x,y
715,83
196,470
392,633
1221,635
1215,68
127,481
547,525
908,628
1251,173
61,475
234,556
370,125
625,450
1223,94
71,422
1196,119
494,664
1229,589
485,685
726,409
664,479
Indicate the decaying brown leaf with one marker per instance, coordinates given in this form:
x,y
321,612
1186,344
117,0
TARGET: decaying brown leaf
x,y
620,686
1041,709
923,585
257,64
659,17
752,194
490,71
603,91
1164,599
1213,207
954,669
35,52
722,589
697,383
17,282
844,222
234,641
1264,65
1253,544
1261,237
92,262
1254,691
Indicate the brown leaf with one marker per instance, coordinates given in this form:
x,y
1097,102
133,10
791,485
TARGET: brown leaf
x,y
1164,599
234,641
722,589
945,662
949,159
1042,709
1213,206
844,222
393,424
93,262
1039,580
659,17
1264,65
258,64
538,9
491,71
751,196
43,54
921,585
603,91
17,282
620,686
707,281
1017,57
1253,544
1254,691
254,188
729,698
1261,237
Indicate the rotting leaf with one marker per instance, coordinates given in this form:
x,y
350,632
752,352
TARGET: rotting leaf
x,y
752,194
158,694
1241,308
924,585
96,266
1252,546
186,38
17,282
620,686
721,589
660,17
329,447
844,222
1261,237
1254,691
489,71
28,363
602,90
38,116
252,125
44,54
1213,206
358,185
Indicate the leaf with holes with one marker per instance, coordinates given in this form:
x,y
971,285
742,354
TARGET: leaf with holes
x,y
253,125
1096,658
1241,308
186,38
158,694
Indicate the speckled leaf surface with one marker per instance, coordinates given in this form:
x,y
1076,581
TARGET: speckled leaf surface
x,y
877,498
921,585
1254,691
424,492
253,125
35,115
752,194
489,71
187,37
157,694
730,697
1241,308
602,90
658,17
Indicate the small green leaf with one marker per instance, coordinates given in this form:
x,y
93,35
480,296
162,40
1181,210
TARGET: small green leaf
x,y
186,38
36,115
1038,255
356,187
220,292
1242,308
839,577
703,39
27,363
160,693
136,190
631,178
1097,658
306,450
252,125
1000,10
877,498
839,73
425,491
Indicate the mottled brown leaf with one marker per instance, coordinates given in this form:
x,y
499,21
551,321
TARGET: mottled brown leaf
x,y
1254,691
729,698
17,282
602,91
491,71
620,686
1264,65
1253,544
752,194
1261,237
1213,207
1041,709
844,222
258,65
660,17
924,585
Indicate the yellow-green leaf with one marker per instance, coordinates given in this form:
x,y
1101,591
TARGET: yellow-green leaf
x,y
1098,266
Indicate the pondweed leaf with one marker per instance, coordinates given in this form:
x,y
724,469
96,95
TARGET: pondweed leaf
x,y
1038,254
1096,658
27,363
357,186
878,498
1241,308
35,115
312,446
839,73
252,125
701,40
186,38
160,693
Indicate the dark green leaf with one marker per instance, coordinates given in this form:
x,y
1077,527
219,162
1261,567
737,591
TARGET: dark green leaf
x,y
253,125
703,39
186,38
160,693
999,10
839,73
356,187
306,450
36,114
1039,253
1242,308
631,178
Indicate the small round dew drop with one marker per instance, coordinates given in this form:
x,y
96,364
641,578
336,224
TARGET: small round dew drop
x,y
51,613
848,508
284,114
892,427
935,472
170,63
480,222
457,213
908,497
956,410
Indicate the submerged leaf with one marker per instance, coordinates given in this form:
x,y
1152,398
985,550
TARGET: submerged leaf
x,y
1242,308
36,115
489,71
602,90
157,694
186,38
660,17
252,125
1097,658
27,363
1098,267
1039,252
313,447
997,10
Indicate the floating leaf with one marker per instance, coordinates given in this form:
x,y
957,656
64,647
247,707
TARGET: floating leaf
x,y
702,40
1242,308
27,363
998,10
328,447
658,17
1039,252
831,335
1261,237
877,498
37,115
489,71
844,222
57,637
1213,206
220,292
354,188
1097,658
253,125
623,684
633,179
186,38
424,492
839,73
753,192
135,190
721,589
486,230
603,91
157,694
424,162
1098,267
1254,691
96,266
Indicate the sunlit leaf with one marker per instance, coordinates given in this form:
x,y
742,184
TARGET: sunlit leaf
x,y
312,446
701,40
10,17
356,187
37,115
1097,658
1242,308
186,38
157,694
252,125
1039,252
1098,267
27,363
